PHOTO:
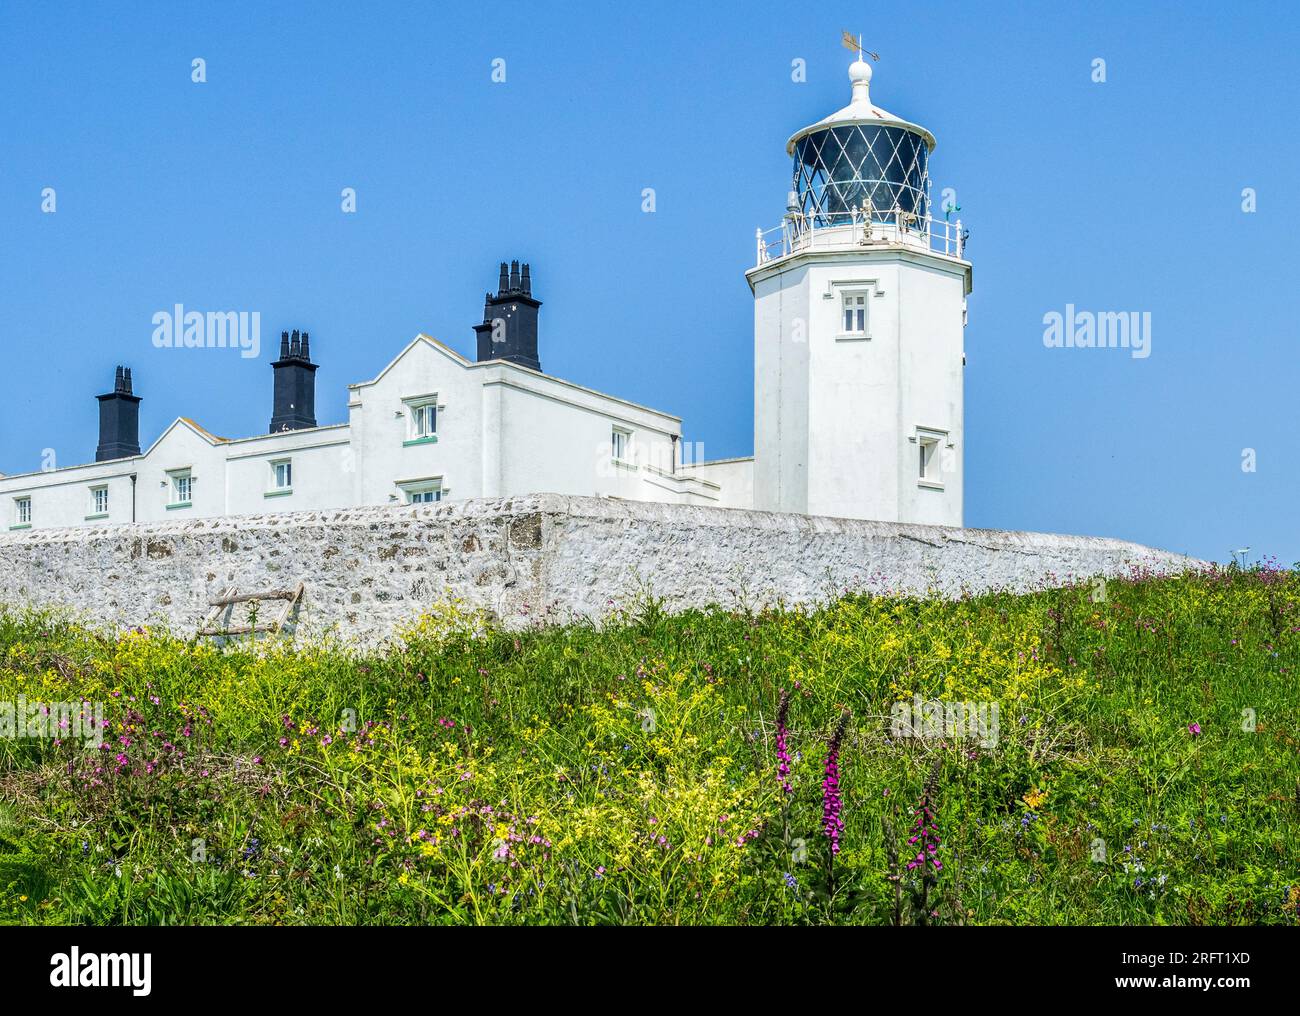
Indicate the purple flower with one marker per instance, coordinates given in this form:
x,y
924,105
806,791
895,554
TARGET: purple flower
x,y
1194,728
925,836
832,804
782,753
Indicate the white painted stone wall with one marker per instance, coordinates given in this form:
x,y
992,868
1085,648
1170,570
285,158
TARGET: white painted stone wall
x,y
367,570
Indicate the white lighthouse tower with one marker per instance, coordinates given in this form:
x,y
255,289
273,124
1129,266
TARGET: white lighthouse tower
x,y
859,313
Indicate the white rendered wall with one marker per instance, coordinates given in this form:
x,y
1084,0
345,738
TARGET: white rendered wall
x,y
836,415
381,427
781,373
734,478
322,472
62,497
502,430
931,351
228,478
561,441
181,448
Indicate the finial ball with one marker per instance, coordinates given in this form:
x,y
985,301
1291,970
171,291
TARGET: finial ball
x,y
859,70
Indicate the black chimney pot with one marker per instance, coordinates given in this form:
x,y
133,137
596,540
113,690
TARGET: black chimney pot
x,y
294,405
509,328
119,420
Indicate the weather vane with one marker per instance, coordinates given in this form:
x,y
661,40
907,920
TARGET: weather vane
x,y
849,42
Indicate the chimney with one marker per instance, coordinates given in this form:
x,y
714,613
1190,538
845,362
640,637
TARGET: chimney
x,y
509,328
119,420
295,385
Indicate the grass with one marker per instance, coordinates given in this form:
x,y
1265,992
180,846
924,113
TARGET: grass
x,y
1144,768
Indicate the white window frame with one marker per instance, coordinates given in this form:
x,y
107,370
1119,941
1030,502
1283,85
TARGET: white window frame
x,y
22,511
417,413
175,477
620,451
841,291
276,486
929,463
98,492
412,489
859,301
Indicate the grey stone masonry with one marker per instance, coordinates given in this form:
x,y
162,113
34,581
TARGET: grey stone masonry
x,y
541,556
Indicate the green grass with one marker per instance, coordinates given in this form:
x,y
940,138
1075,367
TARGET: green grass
x,y
628,773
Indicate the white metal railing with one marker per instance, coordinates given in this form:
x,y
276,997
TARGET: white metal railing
x,y
864,227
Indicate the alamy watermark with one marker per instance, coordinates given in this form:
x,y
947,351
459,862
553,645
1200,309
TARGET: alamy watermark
x,y
75,969
220,329
52,720
1108,329
933,718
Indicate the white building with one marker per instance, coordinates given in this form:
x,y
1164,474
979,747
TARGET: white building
x,y
859,309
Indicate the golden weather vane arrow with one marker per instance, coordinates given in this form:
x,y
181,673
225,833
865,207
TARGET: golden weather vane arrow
x,y
849,42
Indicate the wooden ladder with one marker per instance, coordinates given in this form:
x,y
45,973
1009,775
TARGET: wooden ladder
x,y
232,596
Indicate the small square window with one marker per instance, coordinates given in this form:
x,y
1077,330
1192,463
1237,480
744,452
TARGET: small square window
x,y
621,443
855,314
182,487
929,459
422,418
23,511
423,492
99,499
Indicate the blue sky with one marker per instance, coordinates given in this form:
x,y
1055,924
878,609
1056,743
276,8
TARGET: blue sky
x,y
1122,195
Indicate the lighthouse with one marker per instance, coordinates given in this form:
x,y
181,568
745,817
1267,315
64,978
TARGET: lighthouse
x,y
859,314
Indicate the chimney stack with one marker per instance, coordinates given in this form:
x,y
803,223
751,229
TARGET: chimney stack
x,y
119,420
509,328
294,405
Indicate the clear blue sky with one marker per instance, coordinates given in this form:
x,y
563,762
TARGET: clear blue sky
x,y
225,195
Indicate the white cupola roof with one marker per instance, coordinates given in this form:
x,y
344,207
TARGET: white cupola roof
x,y
860,111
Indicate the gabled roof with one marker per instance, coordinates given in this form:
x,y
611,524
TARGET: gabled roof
x,y
460,361
185,421
441,347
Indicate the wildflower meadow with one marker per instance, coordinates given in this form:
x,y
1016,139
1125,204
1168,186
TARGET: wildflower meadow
x,y
1136,763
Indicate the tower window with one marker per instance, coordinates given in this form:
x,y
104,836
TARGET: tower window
x,y
855,313
929,464
99,500
22,511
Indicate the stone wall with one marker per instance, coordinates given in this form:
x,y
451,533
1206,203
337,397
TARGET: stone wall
x,y
367,570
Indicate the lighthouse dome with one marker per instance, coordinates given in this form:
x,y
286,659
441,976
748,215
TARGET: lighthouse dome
x,y
861,155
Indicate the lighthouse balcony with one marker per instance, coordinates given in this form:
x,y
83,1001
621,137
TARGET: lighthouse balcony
x,y
858,230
